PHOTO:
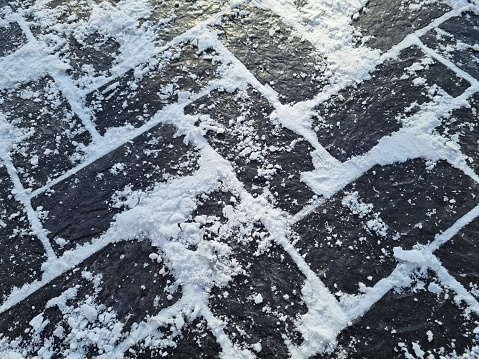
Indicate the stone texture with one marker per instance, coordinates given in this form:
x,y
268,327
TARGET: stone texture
x,y
267,157
113,281
11,38
121,101
22,252
354,120
349,239
384,24
459,257
82,207
52,137
411,322
273,53
456,40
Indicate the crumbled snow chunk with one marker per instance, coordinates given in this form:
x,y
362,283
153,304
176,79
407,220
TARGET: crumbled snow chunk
x,y
257,347
434,288
411,256
430,336
89,312
177,218
417,350
352,201
258,298
153,256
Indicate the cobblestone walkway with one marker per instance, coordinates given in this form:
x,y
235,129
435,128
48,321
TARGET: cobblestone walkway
x,y
239,179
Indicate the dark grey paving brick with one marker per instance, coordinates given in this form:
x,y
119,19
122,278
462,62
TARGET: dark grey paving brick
x,y
120,282
172,18
352,122
82,207
428,199
11,38
195,340
22,253
265,155
132,101
456,40
14,4
346,240
273,53
459,256
461,127
87,51
94,55
383,24
416,318
261,305
58,20
53,134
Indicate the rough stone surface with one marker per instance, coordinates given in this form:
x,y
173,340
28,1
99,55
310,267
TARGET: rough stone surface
x,y
212,179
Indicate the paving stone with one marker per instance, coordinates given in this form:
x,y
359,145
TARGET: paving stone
x,y
22,252
196,339
112,282
82,207
383,24
261,305
354,120
14,4
88,51
273,53
133,101
11,38
94,55
266,156
440,196
461,128
349,239
412,321
172,18
52,135
456,40
268,291
459,257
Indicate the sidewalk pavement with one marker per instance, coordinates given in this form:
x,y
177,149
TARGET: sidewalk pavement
x,y
243,179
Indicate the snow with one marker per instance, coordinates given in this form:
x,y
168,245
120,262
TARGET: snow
x,y
409,256
164,212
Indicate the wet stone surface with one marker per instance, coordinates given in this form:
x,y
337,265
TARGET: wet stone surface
x,y
352,122
459,257
175,76
456,40
22,252
383,24
260,306
461,128
268,158
70,31
51,135
160,148
422,319
97,296
93,55
349,239
82,207
173,18
273,53
11,38
196,338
